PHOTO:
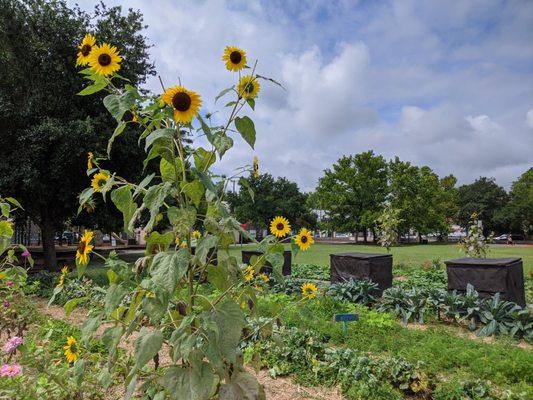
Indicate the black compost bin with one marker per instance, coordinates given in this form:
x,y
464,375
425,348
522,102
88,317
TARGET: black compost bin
x,y
358,266
488,276
267,268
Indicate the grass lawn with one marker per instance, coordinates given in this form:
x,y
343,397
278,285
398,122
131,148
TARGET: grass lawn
x,y
408,255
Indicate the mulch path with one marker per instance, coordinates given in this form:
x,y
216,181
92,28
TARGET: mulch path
x,y
282,388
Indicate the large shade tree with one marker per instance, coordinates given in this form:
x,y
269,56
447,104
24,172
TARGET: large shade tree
x,y
353,192
519,211
487,199
271,197
45,129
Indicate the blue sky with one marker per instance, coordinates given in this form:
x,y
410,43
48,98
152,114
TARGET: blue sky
x,y
447,84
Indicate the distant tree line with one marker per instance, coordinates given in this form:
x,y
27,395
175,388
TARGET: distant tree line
x,y
356,189
354,192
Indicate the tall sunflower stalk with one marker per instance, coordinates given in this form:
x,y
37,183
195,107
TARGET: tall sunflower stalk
x,y
189,232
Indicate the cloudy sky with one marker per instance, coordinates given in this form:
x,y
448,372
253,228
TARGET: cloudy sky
x,y
447,84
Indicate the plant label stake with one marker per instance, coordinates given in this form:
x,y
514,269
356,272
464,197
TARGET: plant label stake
x,y
345,318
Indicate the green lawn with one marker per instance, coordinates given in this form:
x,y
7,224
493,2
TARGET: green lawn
x,y
409,255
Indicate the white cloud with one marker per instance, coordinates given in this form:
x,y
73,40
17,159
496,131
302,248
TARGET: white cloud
x,y
529,118
440,84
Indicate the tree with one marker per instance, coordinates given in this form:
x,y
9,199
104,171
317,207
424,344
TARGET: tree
x,y
520,207
485,198
272,197
45,129
424,201
353,192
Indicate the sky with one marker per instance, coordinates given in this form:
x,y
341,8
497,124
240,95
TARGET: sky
x,y
448,84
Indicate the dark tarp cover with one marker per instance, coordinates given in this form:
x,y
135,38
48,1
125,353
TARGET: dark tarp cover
x,y
488,276
359,266
267,268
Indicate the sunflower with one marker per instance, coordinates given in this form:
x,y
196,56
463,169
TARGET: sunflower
x,y
256,167
104,59
64,270
248,87
99,181
249,273
235,58
264,277
90,158
280,226
197,235
86,46
186,103
84,248
309,290
304,239
61,281
72,351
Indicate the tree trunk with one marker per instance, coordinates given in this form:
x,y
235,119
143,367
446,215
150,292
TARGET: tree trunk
x,y
365,235
356,234
419,238
374,236
49,250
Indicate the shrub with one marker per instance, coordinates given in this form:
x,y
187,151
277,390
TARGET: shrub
x,y
360,291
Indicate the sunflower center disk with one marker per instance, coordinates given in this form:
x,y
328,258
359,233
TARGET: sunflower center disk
x,y
303,239
81,246
235,57
181,101
249,87
280,226
104,60
86,49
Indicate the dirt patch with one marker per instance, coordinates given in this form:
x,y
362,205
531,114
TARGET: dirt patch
x,y
276,389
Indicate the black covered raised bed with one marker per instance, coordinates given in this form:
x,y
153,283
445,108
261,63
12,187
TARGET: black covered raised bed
x,y
359,266
488,276
267,268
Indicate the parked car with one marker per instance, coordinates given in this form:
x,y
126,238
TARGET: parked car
x,y
517,237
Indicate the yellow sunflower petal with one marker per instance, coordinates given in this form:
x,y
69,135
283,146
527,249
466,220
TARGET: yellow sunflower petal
x,y
86,46
248,87
280,227
186,103
104,59
99,180
304,239
309,290
234,58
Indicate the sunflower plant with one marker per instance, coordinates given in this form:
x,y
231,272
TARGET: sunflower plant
x,y
187,339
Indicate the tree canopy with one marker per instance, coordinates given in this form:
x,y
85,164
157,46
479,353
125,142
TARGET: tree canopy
x,y
353,191
272,197
520,208
46,130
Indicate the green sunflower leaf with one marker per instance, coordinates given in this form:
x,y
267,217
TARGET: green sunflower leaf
x,y
246,128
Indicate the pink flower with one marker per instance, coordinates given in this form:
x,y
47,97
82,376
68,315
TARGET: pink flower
x,y
10,283
6,304
12,344
10,370
26,254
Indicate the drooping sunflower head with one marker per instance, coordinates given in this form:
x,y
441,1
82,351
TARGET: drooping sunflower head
x,y
90,158
249,273
72,351
280,227
256,167
186,103
235,58
99,181
86,47
84,248
104,59
248,87
309,290
304,239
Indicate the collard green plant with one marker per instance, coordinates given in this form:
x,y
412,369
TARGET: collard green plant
x,y
360,291
495,315
183,209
